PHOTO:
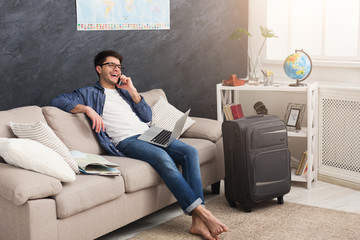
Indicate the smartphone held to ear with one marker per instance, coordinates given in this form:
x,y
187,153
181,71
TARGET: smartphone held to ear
x,y
123,80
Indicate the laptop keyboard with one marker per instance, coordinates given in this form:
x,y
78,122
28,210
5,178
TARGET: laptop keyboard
x,y
162,138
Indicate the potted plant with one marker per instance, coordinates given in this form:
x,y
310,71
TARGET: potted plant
x,y
253,64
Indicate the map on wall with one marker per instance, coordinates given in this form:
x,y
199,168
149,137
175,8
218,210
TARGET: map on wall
x,y
122,14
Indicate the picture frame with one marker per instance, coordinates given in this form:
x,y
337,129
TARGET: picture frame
x,y
294,115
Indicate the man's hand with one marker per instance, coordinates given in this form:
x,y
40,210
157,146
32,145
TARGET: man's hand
x,y
97,121
127,85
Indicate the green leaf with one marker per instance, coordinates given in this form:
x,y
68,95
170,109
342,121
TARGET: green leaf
x,y
238,33
267,33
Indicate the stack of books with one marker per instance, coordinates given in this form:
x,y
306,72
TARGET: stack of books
x,y
303,165
233,111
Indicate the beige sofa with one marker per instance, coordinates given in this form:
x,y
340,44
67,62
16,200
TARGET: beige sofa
x,y
36,206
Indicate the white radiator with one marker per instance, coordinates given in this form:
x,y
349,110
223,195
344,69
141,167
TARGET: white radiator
x,y
339,133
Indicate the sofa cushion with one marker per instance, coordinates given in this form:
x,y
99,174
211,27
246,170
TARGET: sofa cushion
x,y
29,114
206,148
86,192
73,129
140,175
152,96
32,155
43,134
137,174
204,128
19,185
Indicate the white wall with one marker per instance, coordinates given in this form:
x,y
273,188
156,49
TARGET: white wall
x,y
324,73
337,74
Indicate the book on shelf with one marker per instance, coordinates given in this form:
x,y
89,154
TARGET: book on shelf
x,y
305,170
233,111
237,111
227,114
294,162
94,164
302,164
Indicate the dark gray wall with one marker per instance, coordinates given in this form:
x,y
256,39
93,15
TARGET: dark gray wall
x,y
43,55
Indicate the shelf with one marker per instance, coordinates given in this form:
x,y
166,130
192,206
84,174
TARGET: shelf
x,y
298,133
280,86
298,178
224,95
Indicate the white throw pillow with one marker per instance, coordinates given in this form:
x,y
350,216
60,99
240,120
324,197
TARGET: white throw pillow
x,y
32,155
42,133
165,115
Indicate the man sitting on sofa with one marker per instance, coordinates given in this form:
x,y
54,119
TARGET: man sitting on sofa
x,y
119,115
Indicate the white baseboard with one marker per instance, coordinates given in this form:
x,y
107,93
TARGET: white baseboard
x,y
340,182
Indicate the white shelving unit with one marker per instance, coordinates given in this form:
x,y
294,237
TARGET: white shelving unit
x,y
224,95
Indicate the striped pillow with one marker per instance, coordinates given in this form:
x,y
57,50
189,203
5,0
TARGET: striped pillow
x,y
165,115
43,134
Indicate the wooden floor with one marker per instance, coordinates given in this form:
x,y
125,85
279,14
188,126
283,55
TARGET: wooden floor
x,y
325,195
322,194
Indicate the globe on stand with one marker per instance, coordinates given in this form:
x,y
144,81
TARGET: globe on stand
x,y
298,66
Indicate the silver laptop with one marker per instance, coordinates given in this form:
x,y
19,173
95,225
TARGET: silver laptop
x,y
161,137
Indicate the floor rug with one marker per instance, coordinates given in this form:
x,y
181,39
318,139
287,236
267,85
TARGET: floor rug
x,y
268,220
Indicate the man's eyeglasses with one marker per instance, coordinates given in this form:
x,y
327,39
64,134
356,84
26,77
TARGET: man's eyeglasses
x,y
113,65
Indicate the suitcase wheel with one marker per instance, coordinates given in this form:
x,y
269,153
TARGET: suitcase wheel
x,y
247,208
280,199
232,203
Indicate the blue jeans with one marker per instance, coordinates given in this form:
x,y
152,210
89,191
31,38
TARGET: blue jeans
x,y
186,187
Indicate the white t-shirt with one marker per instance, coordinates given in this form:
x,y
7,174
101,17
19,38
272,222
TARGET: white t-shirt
x,y
119,119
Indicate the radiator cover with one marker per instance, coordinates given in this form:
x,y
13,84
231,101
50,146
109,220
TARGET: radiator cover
x,y
339,134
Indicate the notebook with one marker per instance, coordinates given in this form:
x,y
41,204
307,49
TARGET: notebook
x,y
161,137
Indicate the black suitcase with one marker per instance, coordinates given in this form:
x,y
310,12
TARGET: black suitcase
x,y
257,160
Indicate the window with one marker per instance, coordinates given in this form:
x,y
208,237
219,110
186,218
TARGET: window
x,y
325,29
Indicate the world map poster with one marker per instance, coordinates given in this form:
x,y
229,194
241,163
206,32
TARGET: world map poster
x,y
122,14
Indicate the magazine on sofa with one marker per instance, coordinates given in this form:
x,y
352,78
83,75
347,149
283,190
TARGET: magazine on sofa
x,y
94,164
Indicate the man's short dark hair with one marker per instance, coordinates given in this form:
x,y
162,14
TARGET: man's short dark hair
x,y
101,56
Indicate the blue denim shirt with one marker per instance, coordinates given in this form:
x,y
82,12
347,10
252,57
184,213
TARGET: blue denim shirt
x,y
94,97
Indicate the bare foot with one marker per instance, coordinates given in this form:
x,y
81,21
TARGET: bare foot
x,y
198,227
214,225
